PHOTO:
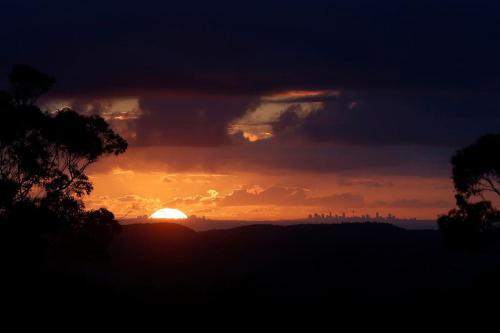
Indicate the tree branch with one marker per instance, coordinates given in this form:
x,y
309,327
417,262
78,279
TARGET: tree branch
x,y
491,186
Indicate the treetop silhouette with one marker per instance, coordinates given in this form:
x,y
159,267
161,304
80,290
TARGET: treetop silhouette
x,y
44,156
476,171
476,168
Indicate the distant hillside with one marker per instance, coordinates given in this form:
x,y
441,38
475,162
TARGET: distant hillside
x,y
353,264
209,224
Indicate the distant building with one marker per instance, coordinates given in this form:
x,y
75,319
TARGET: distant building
x,y
334,218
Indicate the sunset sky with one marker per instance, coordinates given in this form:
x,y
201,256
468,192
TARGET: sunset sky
x,y
269,109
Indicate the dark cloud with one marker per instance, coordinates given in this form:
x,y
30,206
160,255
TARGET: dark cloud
x,y
287,196
288,122
296,196
417,78
196,200
397,119
130,47
188,121
413,204
350,118
362,183
270,157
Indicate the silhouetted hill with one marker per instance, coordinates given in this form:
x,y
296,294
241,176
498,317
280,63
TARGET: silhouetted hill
x,y
348,265
353,267
159,234
202,224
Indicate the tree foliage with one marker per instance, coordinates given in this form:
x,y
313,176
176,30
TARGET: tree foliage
x,y
476,172
470,224
476,168
44,155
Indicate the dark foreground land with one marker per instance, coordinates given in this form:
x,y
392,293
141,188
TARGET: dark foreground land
x,y
348,266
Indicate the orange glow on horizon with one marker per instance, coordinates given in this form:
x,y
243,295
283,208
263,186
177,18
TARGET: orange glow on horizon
x,y
135,187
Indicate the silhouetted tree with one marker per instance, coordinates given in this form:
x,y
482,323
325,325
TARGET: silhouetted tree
x,y
43,159
476,168
470,224
476,171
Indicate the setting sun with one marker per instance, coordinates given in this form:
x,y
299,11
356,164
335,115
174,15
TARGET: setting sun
x,y
168,213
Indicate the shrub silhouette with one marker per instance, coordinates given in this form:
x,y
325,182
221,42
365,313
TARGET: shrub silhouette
x,y
476,171
43,159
